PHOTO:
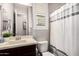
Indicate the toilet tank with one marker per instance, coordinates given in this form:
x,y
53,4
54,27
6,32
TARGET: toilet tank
x,y
43,46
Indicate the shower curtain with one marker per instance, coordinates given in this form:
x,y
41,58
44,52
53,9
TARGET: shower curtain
x,y
65,29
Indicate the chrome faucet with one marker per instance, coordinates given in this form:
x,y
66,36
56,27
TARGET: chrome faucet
x,y
18,37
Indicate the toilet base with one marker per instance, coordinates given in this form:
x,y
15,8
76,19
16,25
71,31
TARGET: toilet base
x,y
48,54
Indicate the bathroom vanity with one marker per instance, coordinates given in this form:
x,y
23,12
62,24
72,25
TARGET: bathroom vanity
x,y
25,46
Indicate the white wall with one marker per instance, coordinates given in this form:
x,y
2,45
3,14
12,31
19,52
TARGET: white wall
x,y
40,32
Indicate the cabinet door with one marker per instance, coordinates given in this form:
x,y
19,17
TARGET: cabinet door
x,y
19,51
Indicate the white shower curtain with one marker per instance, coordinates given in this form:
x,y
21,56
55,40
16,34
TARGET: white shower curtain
x,y
76,40
66,30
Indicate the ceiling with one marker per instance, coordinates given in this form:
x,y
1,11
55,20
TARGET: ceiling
x,y
54,6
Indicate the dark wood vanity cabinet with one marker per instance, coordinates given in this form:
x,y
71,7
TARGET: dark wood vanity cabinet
x,y
19,51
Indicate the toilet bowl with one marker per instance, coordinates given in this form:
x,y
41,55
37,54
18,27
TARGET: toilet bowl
x,y
43,46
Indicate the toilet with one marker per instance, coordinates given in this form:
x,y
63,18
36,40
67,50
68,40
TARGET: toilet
x,y
43,48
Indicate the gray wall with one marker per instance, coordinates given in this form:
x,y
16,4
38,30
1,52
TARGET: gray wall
x,y
0,21
7,14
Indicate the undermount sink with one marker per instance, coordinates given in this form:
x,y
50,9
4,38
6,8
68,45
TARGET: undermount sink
x,y
16,41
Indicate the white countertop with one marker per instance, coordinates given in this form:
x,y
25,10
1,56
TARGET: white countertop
x,y
11,42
